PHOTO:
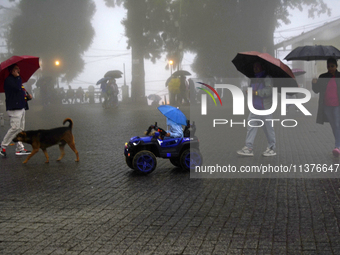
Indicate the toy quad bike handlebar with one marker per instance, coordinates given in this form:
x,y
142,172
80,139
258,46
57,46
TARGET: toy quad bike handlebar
x,y
161,131
190,129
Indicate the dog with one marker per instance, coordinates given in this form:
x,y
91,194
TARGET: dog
x,y
44,138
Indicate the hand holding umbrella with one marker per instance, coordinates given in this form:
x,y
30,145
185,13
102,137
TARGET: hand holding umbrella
x,y
27,65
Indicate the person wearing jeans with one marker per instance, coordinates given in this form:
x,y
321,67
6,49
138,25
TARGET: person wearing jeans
x,y
333,115
262,87
16,105
328,87
254,121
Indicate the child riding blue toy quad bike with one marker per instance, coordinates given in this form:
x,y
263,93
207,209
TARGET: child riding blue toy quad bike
x,y
141,152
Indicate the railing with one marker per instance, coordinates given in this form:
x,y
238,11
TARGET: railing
x,y
62,96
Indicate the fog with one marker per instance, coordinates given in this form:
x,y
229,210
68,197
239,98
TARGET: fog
x,y
107,49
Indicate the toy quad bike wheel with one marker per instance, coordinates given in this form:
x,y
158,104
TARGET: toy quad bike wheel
x,y
191,158
144,162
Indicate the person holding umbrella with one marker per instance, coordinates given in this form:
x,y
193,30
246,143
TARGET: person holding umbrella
x,y
261,68
16,105
174,130
112,92
174,121
109,88
328,88
262,86
183,87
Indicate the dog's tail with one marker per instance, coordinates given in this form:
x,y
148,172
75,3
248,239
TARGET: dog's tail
x,y
69,121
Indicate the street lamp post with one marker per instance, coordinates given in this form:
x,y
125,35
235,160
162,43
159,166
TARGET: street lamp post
x,y
171,64
57,64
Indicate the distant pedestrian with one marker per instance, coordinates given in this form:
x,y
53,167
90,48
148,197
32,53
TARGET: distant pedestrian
x,y
328,87
173,84
183,94
16,105
70,95
80,95
192,91
113,92
46,86
262,100
90,94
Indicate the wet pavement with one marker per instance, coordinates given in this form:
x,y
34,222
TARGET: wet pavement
x,y
100,206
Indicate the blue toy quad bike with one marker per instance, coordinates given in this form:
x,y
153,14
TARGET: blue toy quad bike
x,y
141,152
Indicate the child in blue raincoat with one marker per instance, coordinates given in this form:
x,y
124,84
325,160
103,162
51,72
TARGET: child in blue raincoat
x,y
174,130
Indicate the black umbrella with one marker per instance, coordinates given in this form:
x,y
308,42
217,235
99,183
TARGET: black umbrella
x,y
154,97
315,52
113,74
274,67
244,62
181,72
298,72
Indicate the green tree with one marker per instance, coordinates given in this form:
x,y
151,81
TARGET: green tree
x,y
54,30
145,22
217,29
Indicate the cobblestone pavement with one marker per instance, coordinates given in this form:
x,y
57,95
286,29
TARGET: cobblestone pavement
x,y
100,206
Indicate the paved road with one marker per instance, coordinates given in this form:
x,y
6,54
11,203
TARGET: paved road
x,y
99,206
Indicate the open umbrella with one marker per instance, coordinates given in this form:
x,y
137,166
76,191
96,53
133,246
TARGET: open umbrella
x,y
27,64
154,97
113,74
274,67
298,71
173,114
105,79
313,52
181,72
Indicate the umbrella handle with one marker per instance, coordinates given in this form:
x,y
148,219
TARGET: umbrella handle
x,y
314,71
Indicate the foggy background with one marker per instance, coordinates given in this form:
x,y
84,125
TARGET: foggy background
x,y
108,49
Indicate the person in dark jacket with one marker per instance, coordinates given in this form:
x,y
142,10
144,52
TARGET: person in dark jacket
x,y
328,87
16,105
183,87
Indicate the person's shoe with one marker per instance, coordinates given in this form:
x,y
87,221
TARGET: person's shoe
x,y
245,151
336,152
22,152
269,152
3,152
